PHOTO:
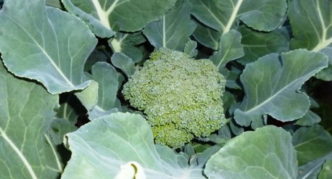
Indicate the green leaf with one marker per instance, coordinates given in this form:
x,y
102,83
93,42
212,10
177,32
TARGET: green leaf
x,y
207,36
326,74
265,153
228,100
311,27
128,44
236,129
124,141
26,110
54,3
223,135
123,62
105,16
202,157
58,128
311,169
89,96
272,83
262,15
67,112
173,29
100,54
54,54
309,119
257,44
326,172
312,143
230,49
109,81
232,75
191,48
310,22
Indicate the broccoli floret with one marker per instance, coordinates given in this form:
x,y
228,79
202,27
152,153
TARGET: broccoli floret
x,y
180,96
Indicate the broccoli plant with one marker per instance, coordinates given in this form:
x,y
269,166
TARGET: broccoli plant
x,y
180,96
149,89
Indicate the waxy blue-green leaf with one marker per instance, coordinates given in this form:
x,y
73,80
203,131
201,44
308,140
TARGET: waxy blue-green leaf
x,y
311,25
109,81
100,54
89,96
54,3
309,119
122,144
58,128
207,36
128,44
235,128
202,157
257,44
312,169
262,15
230,49
173,29
100,98
26,111
232,75
272,83
67,112
326,74
107,16
45,44
124,63
190,48
266,153
312,143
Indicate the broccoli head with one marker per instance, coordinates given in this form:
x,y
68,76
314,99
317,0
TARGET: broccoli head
x,y
180,96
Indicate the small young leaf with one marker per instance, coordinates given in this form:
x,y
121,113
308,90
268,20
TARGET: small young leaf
x,y
109,81
191,48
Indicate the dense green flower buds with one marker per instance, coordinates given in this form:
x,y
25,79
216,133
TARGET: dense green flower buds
x,y
180,96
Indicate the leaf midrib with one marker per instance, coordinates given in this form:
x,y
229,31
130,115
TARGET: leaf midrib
x,y
277,93
26,163
50,59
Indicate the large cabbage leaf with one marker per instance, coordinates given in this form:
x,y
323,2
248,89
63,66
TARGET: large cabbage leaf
x,y
265,153
26,111
263,15
173,29
311,25
105,16
45,44
312,143
257,44
230,49
119,145
272,84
